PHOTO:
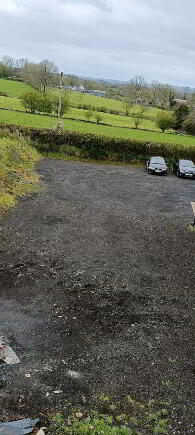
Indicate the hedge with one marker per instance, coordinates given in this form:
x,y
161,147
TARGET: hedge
x,y
99,147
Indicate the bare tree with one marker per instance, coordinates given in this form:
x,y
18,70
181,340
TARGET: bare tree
x,y
8,61
47,71
136,88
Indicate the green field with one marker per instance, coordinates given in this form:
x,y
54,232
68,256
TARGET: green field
x,y
14,88
11,103
118,122
40,121
77,98
115,120
79,114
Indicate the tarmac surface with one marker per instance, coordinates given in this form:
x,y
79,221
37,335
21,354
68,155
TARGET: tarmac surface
x,y
97,290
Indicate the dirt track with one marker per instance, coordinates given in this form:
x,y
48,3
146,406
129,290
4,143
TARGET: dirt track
x,y
96,276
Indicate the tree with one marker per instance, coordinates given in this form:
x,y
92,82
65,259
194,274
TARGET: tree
x,y
46,73
98,117
136,88
88,114
164,120
30,101
189,124
181,112
128,103
40,75
138,119
44,104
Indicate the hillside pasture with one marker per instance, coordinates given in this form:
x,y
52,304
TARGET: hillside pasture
x,y
11,103
79,99
14,88
40,121
79,114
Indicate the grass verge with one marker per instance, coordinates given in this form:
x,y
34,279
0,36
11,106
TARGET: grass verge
x,y
17,158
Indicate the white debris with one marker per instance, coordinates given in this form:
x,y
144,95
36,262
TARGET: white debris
x,y
73,374
58,391
6,353
41,431
27,375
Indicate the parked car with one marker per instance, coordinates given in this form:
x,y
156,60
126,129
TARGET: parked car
x,y
156,165
184,168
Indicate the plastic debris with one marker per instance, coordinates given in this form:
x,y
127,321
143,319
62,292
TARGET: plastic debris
x,y
41,431
58,391
19,427
74,375
7,355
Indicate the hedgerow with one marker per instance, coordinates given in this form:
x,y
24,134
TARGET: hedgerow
x,y
100,147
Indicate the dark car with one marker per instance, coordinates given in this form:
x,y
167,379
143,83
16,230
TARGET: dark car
x,y
184,168
156,165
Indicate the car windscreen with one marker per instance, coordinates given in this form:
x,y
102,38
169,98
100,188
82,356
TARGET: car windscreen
x,y
157,162
187,163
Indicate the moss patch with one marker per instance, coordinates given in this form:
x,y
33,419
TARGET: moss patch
x,y
110,417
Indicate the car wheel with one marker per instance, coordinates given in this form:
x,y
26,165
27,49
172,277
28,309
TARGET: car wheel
x,y
178,174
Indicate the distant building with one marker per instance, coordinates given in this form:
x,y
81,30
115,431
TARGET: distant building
x,y
179,102
96,92
81,88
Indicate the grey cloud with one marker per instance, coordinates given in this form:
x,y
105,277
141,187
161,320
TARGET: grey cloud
x,y
105,37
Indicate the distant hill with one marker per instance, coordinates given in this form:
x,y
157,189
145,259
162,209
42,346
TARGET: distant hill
x,y
125,82
101,80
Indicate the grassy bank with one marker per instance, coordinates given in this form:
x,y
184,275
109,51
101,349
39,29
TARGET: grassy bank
x,y
17,158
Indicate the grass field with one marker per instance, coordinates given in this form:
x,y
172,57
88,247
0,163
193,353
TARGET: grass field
x,y
115,120
40,121
14,88
10,103
107,118
118,122
77,98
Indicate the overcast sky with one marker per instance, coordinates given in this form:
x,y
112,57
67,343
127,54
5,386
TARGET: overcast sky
x,y
104,38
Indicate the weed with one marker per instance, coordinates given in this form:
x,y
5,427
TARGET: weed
x,y
17,157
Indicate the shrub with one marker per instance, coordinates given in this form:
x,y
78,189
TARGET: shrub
x,y
88,114
30,101
114,112
138,119
101,146
44,104
65,106
181,113
17,157
164,120
98,117
3,94
189,124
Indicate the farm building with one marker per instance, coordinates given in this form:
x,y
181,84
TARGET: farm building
x,y
179,102
95,92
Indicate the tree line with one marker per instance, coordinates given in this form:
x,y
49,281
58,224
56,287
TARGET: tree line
x,y
45,74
